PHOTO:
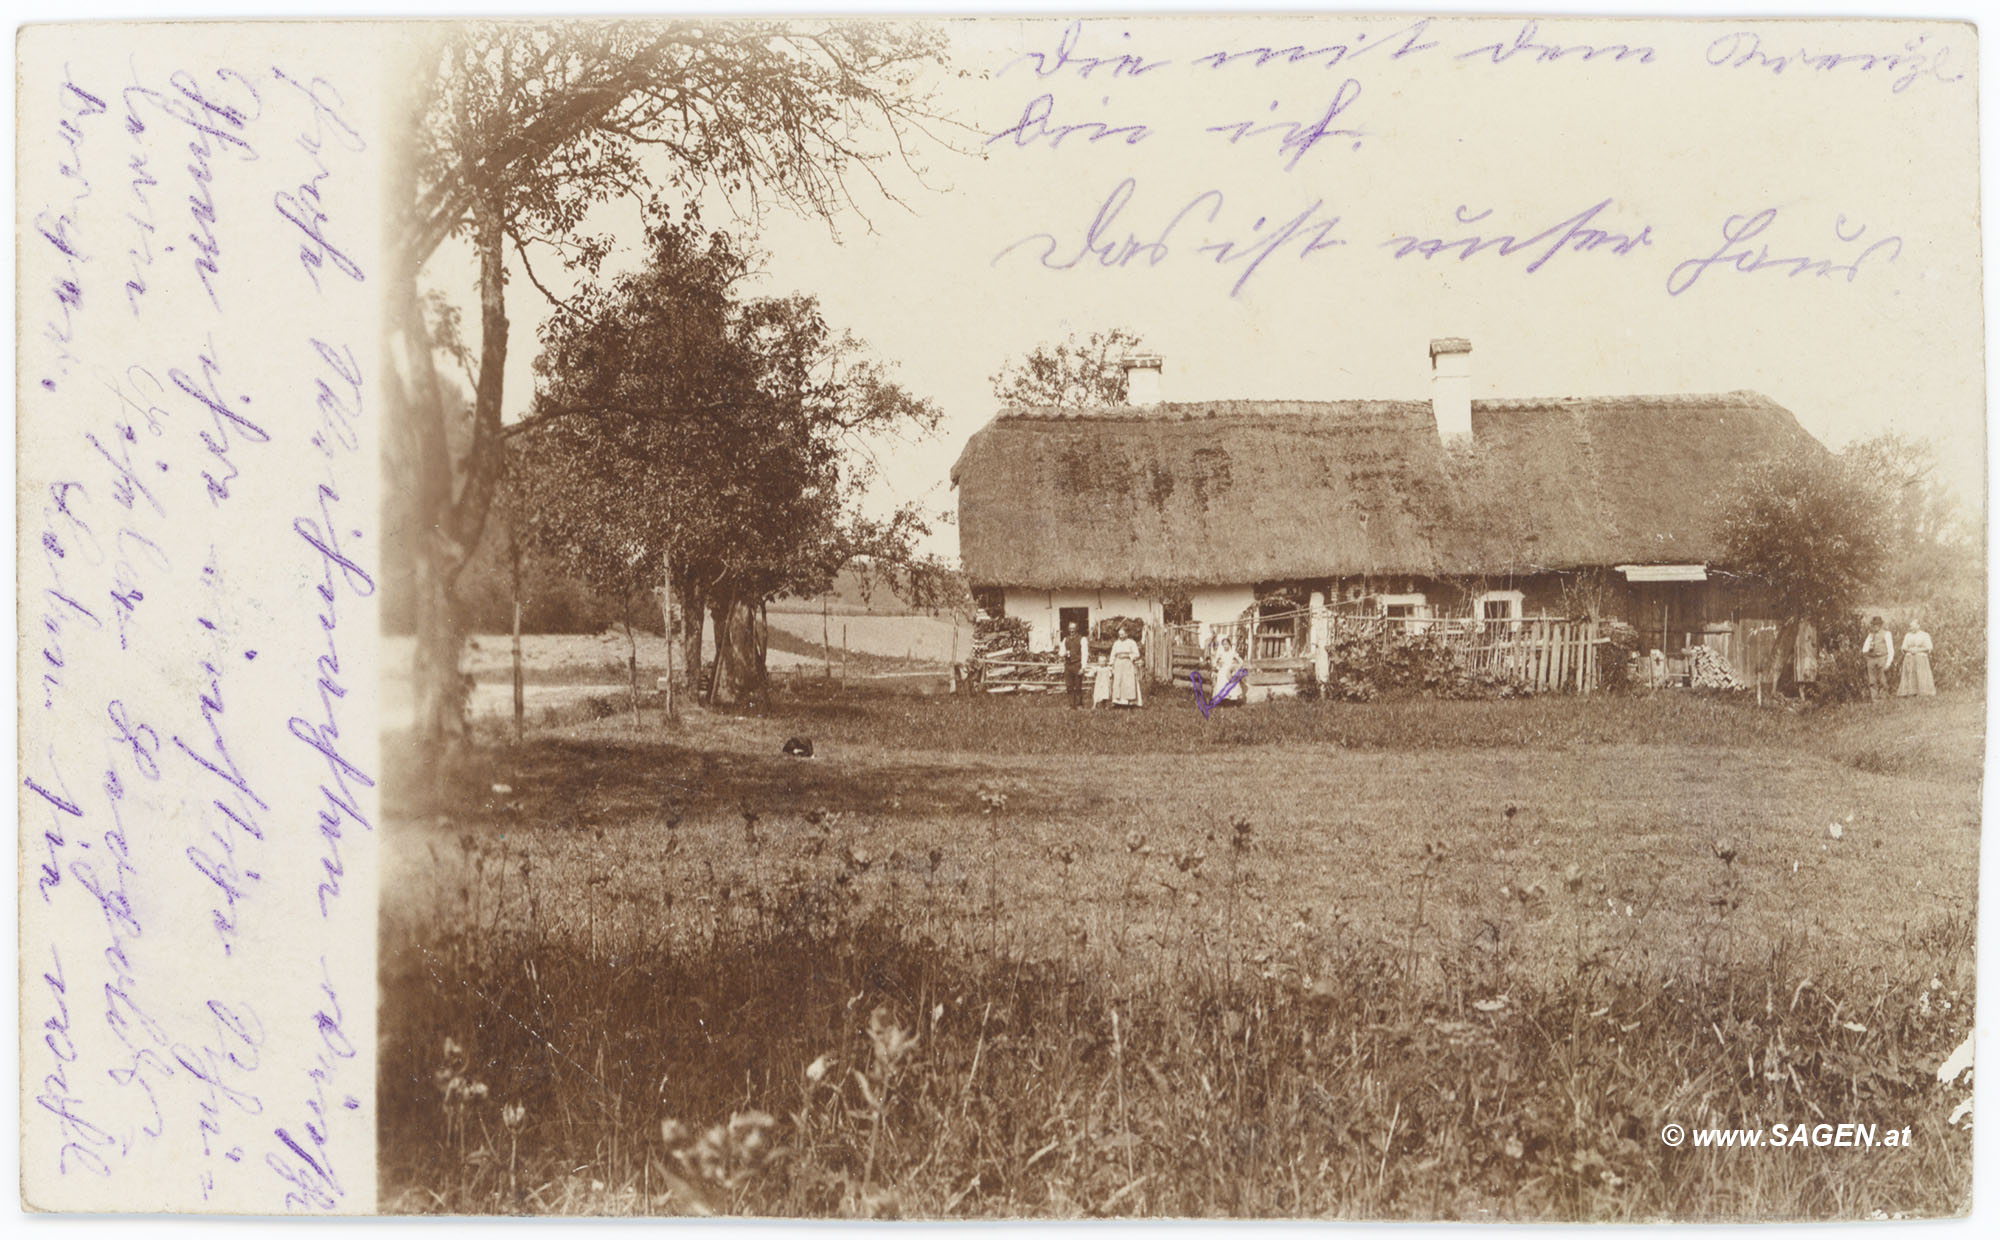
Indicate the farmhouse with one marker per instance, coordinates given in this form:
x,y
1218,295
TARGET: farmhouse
x,y
1193,516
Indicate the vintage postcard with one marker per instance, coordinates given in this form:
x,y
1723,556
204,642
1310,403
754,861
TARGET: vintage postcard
x,y
1374,617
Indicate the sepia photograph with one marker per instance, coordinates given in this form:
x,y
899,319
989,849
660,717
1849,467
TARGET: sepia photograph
x,y
1375,618
1181,618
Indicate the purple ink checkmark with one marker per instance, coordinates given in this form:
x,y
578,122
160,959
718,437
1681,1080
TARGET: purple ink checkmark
x,y
1206,703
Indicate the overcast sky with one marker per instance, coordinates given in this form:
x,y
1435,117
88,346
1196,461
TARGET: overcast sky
x,y
1869,166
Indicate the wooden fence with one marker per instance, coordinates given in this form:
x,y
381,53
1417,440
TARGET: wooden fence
x,y
1542,653
1539,654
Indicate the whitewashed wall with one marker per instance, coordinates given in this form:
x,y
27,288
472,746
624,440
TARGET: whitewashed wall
x,y
1040,608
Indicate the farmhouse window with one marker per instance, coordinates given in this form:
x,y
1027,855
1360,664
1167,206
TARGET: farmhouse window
x,y
1066,616
1500,606
1410,609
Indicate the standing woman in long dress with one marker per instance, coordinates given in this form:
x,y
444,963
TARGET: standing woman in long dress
x,y
1125,670
1916,680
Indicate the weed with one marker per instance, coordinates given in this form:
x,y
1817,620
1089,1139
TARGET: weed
x,y
666,980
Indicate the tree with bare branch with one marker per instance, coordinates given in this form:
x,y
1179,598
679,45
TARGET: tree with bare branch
x,y
519,131
1074,373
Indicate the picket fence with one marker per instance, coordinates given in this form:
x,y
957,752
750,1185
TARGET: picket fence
x,y
1541,653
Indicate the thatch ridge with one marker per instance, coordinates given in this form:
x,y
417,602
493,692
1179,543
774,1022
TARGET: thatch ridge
x,y
1189,411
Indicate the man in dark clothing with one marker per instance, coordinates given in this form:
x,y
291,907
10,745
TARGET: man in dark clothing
x,y
1075,653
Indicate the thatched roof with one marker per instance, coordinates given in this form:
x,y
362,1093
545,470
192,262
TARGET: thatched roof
x,y
1247,491
1617,480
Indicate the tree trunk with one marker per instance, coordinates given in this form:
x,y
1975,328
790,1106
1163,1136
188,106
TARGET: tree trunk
x,y
520,699
436,678
684,633
425,469
667,631
740,676
451,518
631,657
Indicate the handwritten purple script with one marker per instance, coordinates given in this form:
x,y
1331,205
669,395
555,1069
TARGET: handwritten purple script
x,y
1112,100
1735,253
1206,703
196,269
1106,242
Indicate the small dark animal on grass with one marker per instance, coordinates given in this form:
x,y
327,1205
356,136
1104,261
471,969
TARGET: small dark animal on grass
x,y
799,747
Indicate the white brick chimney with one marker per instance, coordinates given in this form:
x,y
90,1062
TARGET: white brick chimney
x,y
1142,379
1451,387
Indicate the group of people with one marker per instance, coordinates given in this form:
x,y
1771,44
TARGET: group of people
x,y
1879,649
1119,680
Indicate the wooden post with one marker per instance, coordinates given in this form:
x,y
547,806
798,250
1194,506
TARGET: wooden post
x,y
667,625
825,645
632,660
520,696
843,653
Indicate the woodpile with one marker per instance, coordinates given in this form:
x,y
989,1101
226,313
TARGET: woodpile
x,y
1709,670
1002,662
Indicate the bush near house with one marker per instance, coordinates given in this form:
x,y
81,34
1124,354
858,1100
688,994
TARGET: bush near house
x,y
1957,627
1958,661
1361,669
1617,664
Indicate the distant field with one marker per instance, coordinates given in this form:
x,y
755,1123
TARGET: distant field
x,y
560,670
931,639
1400,959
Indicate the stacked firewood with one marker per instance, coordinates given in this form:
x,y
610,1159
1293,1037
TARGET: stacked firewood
x,y
1709,670
1002,638
1002,662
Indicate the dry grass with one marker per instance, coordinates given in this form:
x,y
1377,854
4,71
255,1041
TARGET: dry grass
x,y
1467,978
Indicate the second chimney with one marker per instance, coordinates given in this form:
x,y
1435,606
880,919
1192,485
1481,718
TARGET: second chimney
x,y
1142,379
1451,387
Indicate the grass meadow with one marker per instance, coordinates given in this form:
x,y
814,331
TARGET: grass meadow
x,y
994,958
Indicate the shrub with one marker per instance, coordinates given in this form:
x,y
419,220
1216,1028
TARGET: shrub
x,y
1617,664
1957,626
1361,668
1958,635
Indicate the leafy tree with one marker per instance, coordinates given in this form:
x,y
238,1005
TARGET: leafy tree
x,y
685,435
1812,528
639,379
1076,373
520,130
784,514
1934,551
